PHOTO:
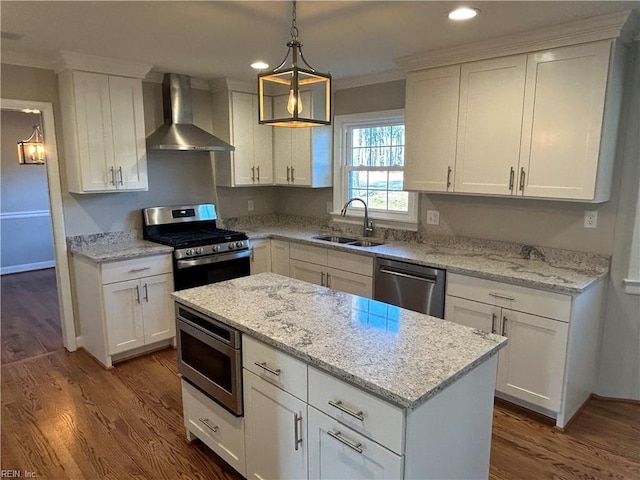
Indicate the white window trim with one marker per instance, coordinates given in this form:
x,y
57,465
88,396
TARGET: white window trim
x,y
402,221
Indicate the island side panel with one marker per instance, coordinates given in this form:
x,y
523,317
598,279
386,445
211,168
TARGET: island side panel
x,y
449,436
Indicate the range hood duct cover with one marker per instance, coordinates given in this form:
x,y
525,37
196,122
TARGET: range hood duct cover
x,y
178,131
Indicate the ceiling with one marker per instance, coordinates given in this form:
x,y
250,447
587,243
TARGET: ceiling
x,y
211,39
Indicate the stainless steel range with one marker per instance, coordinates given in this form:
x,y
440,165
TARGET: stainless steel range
x,y
203,253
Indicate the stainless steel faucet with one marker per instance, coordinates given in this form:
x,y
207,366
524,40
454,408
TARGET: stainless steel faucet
x,y
367,228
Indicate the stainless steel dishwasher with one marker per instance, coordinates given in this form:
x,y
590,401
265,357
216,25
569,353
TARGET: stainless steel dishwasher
x,y
410,286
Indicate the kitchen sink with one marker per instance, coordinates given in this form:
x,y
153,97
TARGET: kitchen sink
x,y
335,239
347,241
365,243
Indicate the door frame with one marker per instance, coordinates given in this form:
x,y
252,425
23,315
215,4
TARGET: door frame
x,y
63,278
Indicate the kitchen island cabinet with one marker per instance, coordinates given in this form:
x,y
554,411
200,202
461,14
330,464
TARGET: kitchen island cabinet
x,y
406,388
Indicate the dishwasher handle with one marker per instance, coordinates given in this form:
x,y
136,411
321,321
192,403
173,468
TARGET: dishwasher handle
x,y
412,276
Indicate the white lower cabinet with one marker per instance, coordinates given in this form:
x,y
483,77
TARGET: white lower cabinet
x,y
340,453
124,307
260,256
550,361
217,428
276,431
280,257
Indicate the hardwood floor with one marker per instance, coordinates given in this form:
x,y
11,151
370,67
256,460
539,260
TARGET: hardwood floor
x,y
66,417
30,315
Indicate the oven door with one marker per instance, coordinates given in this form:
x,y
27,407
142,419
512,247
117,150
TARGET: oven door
x,y
210,364
195,272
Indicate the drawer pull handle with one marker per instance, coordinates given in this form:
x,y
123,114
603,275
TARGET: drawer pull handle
x,y
264,366
205,422
344,409
338,436
504,326
504,297
136,270
493,323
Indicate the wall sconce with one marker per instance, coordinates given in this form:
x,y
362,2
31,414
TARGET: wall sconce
x,y
305,93
31,150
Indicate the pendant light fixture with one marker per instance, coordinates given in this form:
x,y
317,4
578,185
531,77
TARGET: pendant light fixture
x,y
301,96
31,150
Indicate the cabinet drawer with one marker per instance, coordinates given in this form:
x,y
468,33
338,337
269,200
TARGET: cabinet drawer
x,y
522,299
136,268
340,452
218,429
291,373
363,412
308,253
350,262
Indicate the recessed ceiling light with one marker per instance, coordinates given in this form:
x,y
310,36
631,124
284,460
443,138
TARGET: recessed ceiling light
x,y
463,13
259,65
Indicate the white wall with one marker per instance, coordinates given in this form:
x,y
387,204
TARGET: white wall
x,y
25,223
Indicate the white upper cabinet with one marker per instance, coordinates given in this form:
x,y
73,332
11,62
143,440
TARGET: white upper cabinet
x,y
301,156
431,128
236,121
489,125
564,144
103,131
536,125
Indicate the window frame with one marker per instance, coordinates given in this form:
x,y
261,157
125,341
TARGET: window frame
x,y
341,126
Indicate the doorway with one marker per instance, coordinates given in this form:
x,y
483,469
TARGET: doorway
x,y
62,278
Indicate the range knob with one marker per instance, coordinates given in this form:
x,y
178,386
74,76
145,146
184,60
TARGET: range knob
x,y
239,244
199,250
215,248
189,252
232,245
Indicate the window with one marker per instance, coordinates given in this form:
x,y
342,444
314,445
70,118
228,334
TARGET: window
x,y
369,164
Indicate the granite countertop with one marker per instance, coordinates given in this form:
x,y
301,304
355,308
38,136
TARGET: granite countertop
x,y
401,356
114,246
550,269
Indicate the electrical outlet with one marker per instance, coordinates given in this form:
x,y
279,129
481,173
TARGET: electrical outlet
x,y
250,205
590,219
433,217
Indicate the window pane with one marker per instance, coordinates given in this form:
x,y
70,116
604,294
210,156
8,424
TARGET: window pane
x,y
397,157
358,194
397,135
378,180
399,201
358,179
377,199
395,180
360,157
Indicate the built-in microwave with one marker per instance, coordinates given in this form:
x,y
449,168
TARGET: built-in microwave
x,y
210,357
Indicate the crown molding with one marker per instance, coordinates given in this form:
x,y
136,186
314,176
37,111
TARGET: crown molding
x,y
621,25
92,63
369,79
33,60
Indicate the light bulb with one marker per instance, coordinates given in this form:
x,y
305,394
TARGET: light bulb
x,y
32,150
291,104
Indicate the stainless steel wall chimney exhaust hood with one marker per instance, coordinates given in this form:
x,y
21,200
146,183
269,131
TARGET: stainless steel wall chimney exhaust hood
x,y
178,131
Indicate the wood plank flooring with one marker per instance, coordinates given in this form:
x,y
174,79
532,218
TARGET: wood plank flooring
x,y
30,316
66,417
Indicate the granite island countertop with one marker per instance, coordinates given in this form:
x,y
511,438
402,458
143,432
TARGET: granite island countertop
x,y
402,356
556,270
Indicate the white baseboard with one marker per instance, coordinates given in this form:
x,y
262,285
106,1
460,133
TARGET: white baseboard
x,y
27,267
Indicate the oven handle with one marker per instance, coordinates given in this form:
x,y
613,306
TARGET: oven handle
x,y
217,258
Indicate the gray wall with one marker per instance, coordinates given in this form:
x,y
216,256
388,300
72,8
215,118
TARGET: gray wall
x,y
25,224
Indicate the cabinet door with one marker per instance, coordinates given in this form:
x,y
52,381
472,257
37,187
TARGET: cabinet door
x,y
301,156
562,123
127,118
260,256
531,366
242,138
431,127
282,141
308,272
276,431
94,134
472,314
489,125
123,315
262,147
280,257
158,313
340,453
349,282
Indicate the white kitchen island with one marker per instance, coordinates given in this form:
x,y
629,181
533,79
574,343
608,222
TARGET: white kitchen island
x,y
362,390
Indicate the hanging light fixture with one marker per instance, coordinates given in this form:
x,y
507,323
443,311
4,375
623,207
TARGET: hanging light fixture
x,y
301,96
31,150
